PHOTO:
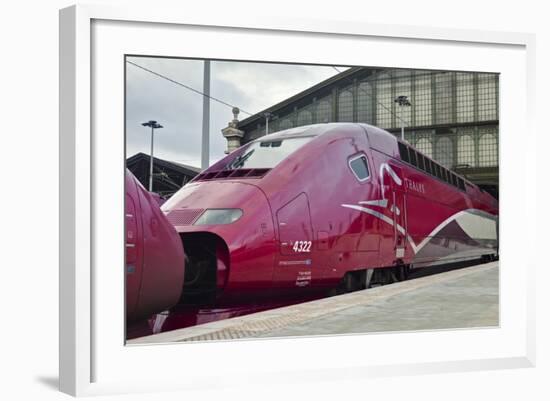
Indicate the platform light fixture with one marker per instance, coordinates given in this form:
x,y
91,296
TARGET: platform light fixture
x,y
153,124
402,101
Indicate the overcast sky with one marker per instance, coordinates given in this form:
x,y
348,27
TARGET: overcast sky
x,y
249,86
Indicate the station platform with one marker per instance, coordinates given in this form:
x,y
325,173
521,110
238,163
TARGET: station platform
x,y
462,298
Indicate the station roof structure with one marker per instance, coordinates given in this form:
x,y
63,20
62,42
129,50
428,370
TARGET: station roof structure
x,y
453,118
168,176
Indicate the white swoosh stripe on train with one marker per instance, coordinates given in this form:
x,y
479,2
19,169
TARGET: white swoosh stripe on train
x,y
417,248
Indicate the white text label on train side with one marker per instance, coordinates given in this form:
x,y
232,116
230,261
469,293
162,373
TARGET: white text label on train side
x,y
302,246
415,186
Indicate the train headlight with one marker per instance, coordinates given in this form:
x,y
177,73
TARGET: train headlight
x,y
218,216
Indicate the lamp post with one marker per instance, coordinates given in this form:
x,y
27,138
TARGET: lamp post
x,y
267,116
153,124
402,101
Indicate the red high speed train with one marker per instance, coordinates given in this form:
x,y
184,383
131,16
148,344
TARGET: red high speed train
x,y
326,206
154,255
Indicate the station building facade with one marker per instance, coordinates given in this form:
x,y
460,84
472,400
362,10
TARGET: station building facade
x,y
453,117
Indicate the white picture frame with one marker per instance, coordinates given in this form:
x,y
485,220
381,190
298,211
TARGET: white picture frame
x,y
93,358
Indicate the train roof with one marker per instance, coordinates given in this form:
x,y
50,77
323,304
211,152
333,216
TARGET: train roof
x,y
379,135
306,130
379,139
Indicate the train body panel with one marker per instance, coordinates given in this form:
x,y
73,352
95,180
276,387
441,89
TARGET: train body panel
x,y
319,201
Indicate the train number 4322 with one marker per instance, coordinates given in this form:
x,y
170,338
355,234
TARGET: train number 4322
x,y
302,246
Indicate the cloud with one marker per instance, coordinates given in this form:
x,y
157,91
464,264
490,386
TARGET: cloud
x,y
249,86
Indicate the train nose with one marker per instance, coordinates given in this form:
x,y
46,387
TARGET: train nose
x,y
219,224
213,204
154,255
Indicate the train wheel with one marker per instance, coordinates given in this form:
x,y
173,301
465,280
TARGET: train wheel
x,y
403,272
363,279
390,275
352,282
393,275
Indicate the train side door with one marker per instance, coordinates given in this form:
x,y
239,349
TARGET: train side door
x,y
294,266
398,210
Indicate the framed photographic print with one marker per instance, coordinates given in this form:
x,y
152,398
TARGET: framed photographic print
x,y
306,200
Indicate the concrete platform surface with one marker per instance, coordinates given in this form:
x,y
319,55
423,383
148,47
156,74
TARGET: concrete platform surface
x,y
462,298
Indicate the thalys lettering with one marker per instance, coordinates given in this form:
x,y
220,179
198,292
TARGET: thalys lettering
x,y
243,230
414,186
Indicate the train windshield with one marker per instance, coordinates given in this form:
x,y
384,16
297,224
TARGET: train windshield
x,y
267,153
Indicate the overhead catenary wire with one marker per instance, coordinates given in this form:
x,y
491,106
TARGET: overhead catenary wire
x,y
187,87
244,111
232,106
